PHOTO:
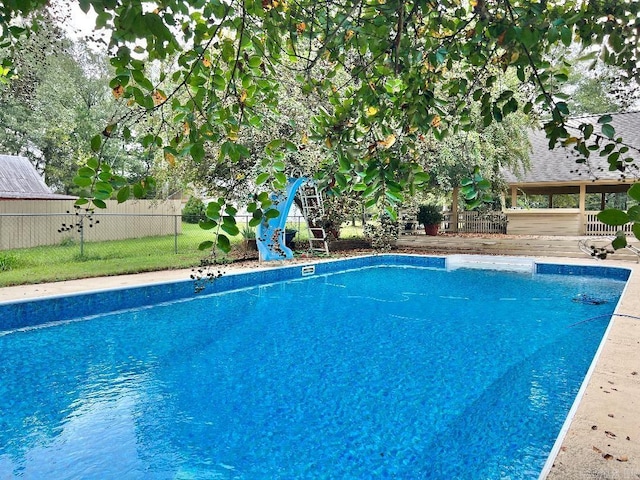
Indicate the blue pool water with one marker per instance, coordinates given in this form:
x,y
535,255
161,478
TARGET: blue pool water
x,y
385,372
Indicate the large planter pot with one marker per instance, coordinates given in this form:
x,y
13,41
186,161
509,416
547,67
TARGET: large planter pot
x,y
252,244
431,229
288,237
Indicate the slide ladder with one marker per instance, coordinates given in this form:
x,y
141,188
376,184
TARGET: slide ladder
x,y
635,250
600,247
313,212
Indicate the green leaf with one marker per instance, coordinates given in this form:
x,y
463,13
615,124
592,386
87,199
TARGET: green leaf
x,y
280,178
588,130
82,181
565,35
421,177
344,163
93,163
224,244
197,152
86,172
207,224
613,217
219,82
636,230
605,119
101,195
263,177
99,203
394,197
608,130
370,203
123,194
206,245
634,192
393,215
96,143
619,242
634,213
138,191
232,230
271,213
141,80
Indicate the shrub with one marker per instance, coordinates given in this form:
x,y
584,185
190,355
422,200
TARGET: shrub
x,y
194,210
67,242
384,235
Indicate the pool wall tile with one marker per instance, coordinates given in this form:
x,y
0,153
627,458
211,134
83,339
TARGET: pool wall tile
x,y
613,273
31,312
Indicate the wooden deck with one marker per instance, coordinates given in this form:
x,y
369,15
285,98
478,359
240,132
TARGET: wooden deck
x,y
526,246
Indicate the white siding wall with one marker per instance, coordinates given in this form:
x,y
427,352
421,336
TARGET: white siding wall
x,y
544,221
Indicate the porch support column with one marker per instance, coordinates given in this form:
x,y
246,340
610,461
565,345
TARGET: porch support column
x,y
514,196
454,210
583,210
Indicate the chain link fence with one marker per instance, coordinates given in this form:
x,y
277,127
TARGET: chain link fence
x,y
92,232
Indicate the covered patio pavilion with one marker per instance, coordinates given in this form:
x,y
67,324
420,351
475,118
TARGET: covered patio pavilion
x,y
555,172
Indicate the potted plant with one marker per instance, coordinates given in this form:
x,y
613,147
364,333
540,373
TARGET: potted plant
x,y
430,216
249,235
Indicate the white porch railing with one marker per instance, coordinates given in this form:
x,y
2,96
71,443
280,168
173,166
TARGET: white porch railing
x,y
475,222
596,228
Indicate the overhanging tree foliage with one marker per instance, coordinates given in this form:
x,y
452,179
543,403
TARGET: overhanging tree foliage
x,y
390,70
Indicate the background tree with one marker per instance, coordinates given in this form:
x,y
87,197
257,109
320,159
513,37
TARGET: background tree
x,y
597,89
56,103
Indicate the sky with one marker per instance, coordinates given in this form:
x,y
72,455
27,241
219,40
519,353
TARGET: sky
x,y
76,23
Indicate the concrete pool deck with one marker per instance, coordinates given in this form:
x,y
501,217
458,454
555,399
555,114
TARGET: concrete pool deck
x,y
603,438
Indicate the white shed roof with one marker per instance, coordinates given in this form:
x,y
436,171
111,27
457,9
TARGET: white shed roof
x,y
19,180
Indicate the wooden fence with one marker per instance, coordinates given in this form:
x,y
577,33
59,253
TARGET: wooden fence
x,y
475,222
596,228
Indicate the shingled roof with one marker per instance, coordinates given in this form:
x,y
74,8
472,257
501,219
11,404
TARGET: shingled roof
x,y
19,180
558,166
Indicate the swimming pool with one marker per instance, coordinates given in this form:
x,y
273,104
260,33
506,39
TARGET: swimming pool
x,y
410,371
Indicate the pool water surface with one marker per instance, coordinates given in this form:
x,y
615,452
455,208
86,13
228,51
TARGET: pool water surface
x,y
389,371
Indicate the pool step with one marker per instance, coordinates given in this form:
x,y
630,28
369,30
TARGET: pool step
x,y
491,262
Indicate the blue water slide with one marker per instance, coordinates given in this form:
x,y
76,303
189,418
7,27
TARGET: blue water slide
x,y
270,233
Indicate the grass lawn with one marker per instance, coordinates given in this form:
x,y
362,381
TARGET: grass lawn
x,y
64,262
